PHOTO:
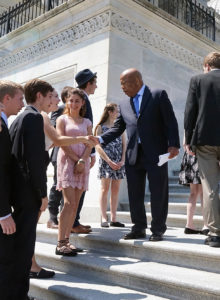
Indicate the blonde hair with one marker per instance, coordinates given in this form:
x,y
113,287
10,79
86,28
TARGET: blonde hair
x,y
9,88
213,60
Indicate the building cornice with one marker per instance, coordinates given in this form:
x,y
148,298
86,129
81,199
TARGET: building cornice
x,y
102,22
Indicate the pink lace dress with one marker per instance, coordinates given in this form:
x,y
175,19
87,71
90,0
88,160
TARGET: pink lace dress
x,y
65,166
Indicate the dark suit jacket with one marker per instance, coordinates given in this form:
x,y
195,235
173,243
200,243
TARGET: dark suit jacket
x,y
202,113
156,126
5,171
28,151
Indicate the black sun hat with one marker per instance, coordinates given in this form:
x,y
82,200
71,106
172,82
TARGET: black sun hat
x,y
84,76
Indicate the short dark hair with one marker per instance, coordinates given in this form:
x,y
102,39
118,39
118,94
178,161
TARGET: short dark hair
x,y
65,92
83,86
213,60
33,86
9,87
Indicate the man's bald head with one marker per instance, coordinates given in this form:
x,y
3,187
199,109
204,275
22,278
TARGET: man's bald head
x,y
131,81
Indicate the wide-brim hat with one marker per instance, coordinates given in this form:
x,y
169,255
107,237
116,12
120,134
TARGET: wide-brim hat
x,y
84,76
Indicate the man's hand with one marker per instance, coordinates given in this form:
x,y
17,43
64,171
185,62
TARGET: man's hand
x,y
88,141
94,139
189,151
8,225
44,204
92,162
79,168
173,152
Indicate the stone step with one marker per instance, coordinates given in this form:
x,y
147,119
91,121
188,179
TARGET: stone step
x,y
173,179
174,208
178,188
64,286
137,274
177,248
173,197
173,220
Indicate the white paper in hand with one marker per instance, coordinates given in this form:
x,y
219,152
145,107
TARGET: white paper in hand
x,y
163,158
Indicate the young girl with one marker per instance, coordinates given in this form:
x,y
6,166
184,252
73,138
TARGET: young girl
x,y
111,165
72,167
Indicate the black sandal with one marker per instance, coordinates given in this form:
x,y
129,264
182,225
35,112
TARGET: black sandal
x,y
64,250
73,248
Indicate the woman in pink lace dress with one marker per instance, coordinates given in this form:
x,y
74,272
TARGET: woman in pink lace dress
x,y
72,167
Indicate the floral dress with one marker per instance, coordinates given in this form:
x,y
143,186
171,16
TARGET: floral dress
x,y
114,152
189,172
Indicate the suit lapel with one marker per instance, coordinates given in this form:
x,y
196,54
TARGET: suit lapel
x,y
145,99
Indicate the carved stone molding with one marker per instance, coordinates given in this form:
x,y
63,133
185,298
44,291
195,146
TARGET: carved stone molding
x,y
60,39
95,24
156,41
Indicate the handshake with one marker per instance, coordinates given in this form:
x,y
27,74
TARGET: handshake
x,y
89,140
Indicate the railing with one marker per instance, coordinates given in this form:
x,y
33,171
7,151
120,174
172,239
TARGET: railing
x,y
191,13
24,12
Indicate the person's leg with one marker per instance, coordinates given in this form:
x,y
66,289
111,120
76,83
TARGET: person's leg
x,y
6,263
76,221
55,197
67,215
26,220
136,179
103,198
208,160
115,186
191,205
158,185
74,199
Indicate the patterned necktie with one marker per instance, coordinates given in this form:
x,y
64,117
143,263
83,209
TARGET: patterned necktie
x,y
136,104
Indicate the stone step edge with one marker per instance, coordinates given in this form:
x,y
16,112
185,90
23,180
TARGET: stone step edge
x,y
175,285
204,257
170,216
69,288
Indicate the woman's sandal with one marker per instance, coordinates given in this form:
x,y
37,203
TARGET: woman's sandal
x,y
64,250
73,248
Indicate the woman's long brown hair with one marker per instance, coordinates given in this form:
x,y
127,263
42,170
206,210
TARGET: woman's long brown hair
x,y
80,93
109,107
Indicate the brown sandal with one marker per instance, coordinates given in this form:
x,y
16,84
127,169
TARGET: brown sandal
x,y
72,247
64,250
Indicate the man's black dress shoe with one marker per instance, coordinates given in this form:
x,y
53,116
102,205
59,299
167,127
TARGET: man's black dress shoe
x,y
42,274
135,235
156,237
212,241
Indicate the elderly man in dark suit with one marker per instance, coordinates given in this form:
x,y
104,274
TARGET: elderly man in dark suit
x,y
152,130
29,168
11,101
202,131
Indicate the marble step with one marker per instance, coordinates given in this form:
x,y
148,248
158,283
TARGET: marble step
x,y
173,219
174,208
177,248
66,287
143,275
